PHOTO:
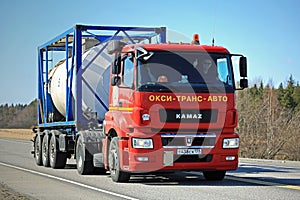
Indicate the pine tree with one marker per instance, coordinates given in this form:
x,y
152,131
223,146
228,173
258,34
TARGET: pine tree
x,y
296,96
287,100
280,93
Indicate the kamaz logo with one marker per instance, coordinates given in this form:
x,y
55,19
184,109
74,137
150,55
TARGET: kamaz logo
x,y
188,116
189,141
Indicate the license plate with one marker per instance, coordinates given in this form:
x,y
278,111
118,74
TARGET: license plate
x,y
189,151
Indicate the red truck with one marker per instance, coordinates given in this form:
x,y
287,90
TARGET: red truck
x,y
127,104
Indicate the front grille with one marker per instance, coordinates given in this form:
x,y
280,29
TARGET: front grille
x,y
192,158
203,140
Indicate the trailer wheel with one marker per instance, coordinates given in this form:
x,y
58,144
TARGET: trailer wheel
x,y
45,151
214,175
84,166
38,149
116,173
58,159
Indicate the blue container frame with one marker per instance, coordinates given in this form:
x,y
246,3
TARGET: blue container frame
x,y
74,121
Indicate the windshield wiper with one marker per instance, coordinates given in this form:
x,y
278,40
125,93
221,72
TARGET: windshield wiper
x,y
154,87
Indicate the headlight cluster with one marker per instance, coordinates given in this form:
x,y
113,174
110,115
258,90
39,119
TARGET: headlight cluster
x,y
230,143
142,143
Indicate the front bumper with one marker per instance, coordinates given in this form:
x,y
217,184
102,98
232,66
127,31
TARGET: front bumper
x,y
163,159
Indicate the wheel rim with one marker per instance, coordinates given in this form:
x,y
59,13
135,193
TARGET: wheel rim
x,y
44,151
113,161
79,157
79,161
37,148
52,151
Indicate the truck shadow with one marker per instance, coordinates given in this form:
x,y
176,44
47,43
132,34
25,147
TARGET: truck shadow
x,y
70,166
245,176
197,179
182,179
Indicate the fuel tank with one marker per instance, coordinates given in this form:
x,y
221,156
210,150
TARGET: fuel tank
x,y
94,87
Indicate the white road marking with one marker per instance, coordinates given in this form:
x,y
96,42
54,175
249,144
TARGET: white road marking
x,y
255,181
259,182
69,181
266,166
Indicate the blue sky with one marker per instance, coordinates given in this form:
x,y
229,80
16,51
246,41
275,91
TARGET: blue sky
x,y
267,32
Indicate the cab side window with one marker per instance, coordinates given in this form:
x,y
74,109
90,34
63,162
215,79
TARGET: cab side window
x,y
128,71
223,71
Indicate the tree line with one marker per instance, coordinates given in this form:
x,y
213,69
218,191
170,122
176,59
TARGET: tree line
x,y
18,115
269,120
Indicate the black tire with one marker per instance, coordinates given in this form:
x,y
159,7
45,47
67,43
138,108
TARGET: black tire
x,y
38,149
116,173
45,151
58,159
214,175
84,166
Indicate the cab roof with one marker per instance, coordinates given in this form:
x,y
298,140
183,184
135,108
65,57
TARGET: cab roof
x,y
178,47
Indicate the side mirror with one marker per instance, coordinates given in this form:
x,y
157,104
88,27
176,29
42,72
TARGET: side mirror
x,y
243,66
243,83
115,81
116,65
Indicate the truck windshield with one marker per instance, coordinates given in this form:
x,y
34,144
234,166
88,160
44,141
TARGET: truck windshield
x,y
179,70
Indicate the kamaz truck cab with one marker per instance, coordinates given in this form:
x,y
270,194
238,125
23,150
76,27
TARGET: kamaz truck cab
x,y
175,109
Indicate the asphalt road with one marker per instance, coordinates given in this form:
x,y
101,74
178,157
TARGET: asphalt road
x,y
255,179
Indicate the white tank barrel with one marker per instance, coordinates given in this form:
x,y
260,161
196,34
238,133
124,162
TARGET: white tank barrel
x,y
95,82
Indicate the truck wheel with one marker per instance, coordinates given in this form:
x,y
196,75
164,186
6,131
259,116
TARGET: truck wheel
x,y
45,151
84,166
58,159
38,149
214,175
116,173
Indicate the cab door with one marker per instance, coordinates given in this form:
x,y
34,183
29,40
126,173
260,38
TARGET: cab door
x,y
126,87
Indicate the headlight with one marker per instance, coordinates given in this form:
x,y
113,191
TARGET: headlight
x,y
142,143
231,143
